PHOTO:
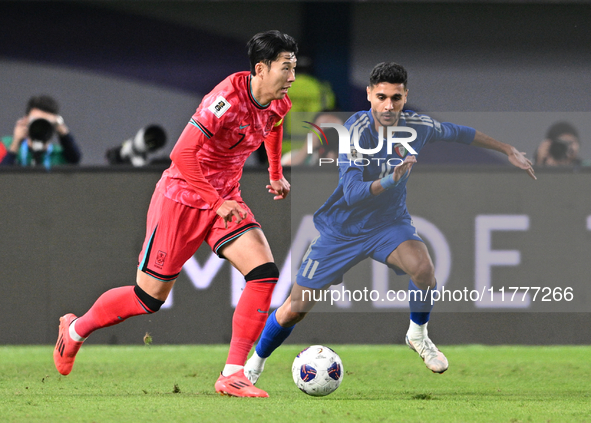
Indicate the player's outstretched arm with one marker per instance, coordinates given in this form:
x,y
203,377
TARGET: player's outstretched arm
x,y
516,158
279,188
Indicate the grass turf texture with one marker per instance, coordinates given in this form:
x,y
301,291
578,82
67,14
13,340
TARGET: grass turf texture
x,y
381,383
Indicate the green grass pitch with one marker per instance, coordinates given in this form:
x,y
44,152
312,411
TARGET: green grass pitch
x,y
381,384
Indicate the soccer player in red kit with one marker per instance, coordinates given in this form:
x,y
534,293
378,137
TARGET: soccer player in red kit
x,y
198,199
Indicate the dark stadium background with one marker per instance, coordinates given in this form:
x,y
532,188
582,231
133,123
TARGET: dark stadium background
x,y
115,67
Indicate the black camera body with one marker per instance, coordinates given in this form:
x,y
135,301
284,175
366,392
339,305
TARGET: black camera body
x,y
135,151
41,130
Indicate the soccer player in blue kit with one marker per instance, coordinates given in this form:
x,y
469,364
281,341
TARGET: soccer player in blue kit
x,y
366,216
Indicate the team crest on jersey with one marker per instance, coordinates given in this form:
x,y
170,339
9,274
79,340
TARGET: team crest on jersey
x,y
219,106
400,150
160,256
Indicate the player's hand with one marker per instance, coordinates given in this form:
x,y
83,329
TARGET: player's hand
x,y
279,188
519,160
405,167
230,209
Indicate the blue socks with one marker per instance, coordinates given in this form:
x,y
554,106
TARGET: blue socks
x,y
420,304
273,335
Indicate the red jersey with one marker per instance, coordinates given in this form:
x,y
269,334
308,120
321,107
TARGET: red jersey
x,y
227,127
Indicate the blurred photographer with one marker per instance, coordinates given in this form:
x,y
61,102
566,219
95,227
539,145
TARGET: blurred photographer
x,y
560,148
31,143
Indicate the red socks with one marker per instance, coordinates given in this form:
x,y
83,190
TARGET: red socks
x,y
113,307
249,320
252,311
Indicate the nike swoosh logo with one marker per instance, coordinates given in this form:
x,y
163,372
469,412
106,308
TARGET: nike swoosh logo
x,y
261,311
243,126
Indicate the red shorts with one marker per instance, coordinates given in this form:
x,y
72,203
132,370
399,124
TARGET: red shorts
x,y
174,232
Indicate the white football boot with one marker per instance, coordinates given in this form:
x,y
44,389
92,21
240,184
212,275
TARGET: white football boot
x,y
417,340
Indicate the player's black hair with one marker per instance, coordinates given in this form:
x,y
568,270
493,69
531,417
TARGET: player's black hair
x,y
266,46
43,102
560,128
390,72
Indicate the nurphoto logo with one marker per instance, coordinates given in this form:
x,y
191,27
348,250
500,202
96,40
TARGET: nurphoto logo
x,y
349,144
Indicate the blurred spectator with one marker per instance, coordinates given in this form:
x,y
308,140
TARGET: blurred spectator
x,y
330,149
560,148
31,143
308,96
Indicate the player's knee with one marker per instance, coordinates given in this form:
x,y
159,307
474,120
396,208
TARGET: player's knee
x,y
153,304
424,276
268,272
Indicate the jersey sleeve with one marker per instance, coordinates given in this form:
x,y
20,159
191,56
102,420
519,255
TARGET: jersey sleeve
x,y
273,148
215,109
184,156
355,189
450,132
274,140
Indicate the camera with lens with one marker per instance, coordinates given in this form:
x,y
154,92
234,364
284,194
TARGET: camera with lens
x,y
40,132
135,151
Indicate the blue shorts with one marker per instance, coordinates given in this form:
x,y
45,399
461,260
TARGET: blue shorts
x,y
328,258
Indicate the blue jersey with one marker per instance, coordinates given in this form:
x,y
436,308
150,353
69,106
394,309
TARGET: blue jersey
x,y
352,210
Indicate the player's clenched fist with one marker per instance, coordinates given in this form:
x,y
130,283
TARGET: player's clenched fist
x,y
230,209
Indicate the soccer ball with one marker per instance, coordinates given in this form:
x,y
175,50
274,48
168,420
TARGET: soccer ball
x,y
317,371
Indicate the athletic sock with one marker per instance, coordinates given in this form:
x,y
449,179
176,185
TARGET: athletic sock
x,y
272,337
73,334
113,307
417,331
258,363
230,369
251,313
420,304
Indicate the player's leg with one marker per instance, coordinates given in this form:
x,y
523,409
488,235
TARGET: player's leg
x,y
324,264
278,327
118,304
412,257
250,254
111,308
155,278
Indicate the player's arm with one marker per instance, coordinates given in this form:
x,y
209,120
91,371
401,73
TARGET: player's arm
x,y
278,185
516,158
184,156
355,189
446,131
394,179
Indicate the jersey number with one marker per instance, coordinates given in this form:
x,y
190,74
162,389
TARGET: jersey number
x,y
239,141
386,168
